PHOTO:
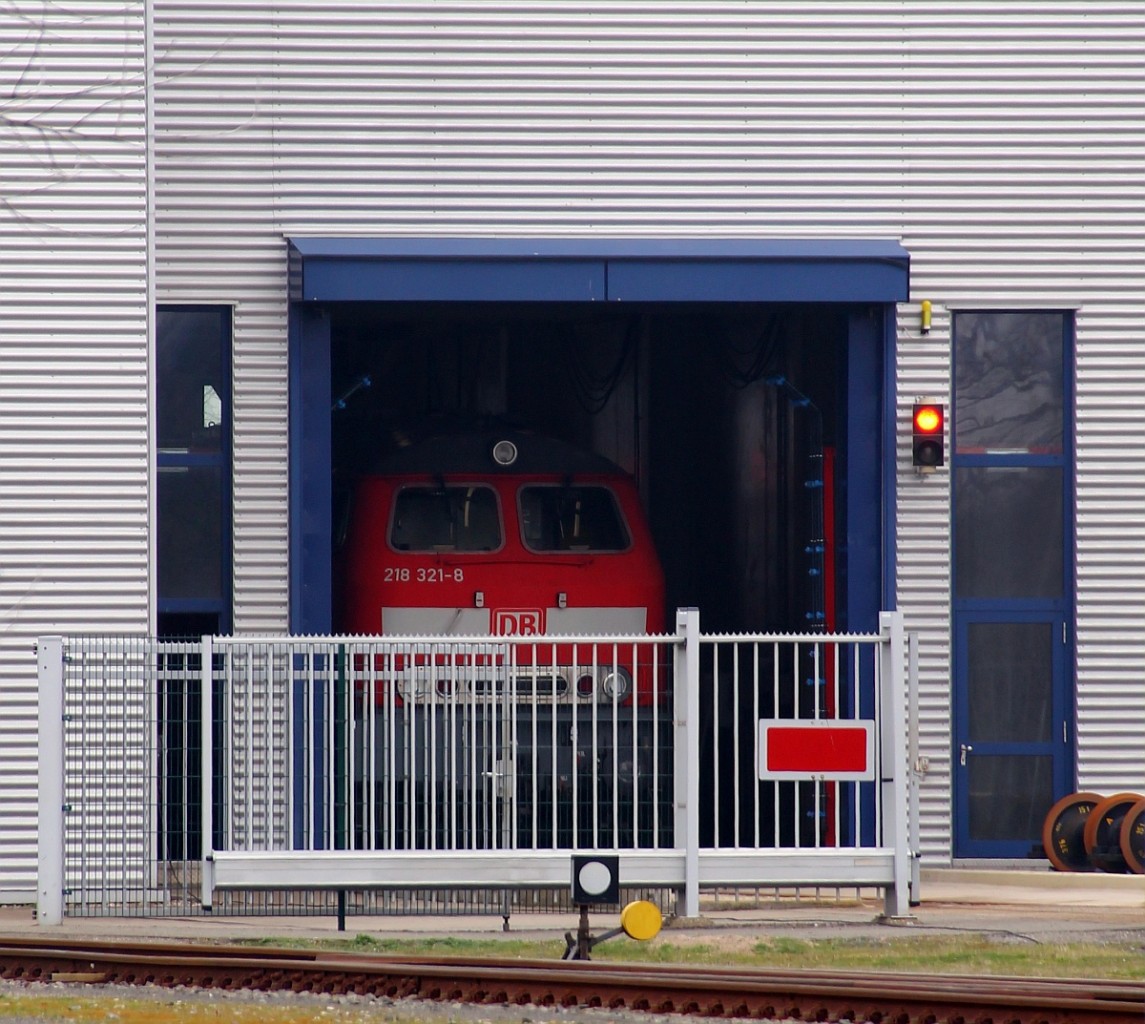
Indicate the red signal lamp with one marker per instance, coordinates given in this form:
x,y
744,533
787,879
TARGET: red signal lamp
x,y
928,443
927,419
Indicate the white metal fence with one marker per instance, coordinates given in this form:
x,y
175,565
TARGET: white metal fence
x,y
353,764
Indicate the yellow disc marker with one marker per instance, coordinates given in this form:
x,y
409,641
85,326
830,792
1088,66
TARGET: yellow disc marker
x,y
641,920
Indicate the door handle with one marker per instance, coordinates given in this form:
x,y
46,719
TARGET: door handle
x,y
966,748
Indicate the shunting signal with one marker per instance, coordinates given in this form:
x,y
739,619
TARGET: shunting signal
x,y
928,425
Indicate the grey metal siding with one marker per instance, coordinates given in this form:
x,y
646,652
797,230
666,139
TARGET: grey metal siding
x,y
1001,143
219,241
1023,180
922,575
74,485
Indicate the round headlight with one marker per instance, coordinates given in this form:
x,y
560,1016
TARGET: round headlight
x,y
504,453
615,684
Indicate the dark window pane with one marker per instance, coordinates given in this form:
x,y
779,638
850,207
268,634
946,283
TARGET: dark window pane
x,y
187,625
1010,681
190,533
571,519
1008,533
446,519
1008,382
1009,796
192,351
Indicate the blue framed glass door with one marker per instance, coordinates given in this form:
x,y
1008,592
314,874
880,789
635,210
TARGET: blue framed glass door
x,y
1013,690
1012,730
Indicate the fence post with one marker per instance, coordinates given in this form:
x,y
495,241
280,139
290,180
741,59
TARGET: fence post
x,y
914,763
893,767
206,826
686,781
50,809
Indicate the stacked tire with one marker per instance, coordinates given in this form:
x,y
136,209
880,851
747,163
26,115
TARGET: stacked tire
x,y
1087,831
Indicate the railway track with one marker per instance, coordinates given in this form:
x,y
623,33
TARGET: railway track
x,y
882,998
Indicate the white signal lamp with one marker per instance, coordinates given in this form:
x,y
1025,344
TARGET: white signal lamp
x,y
595,878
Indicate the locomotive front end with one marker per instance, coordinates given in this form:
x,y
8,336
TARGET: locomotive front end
x,y
515,592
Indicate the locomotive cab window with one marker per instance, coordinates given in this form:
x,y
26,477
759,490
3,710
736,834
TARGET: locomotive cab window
x,y
557,518
454,518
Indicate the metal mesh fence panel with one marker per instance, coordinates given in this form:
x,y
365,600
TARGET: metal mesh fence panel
x,y
443,745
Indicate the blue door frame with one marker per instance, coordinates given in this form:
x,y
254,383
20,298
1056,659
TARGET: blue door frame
x,y
871,276
988,770
982,794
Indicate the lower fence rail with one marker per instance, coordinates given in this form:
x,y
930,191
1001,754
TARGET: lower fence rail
x,y
213,772
547,869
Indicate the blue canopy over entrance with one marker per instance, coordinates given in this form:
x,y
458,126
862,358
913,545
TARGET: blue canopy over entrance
x,y
596,270
865,276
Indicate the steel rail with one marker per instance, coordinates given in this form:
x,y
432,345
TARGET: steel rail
x,y
718,992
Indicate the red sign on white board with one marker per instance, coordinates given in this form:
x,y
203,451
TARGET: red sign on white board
x,y
810,749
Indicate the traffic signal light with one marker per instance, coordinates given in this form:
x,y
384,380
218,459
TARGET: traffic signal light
x,y
928,424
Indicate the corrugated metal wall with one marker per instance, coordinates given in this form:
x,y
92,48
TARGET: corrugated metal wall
x,y
1001,143
1024,162
73,360
219,240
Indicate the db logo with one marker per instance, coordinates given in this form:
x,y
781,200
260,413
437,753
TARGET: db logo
x,y
518,622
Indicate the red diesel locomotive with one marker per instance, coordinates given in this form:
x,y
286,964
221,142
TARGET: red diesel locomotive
x,y
504,533
523,548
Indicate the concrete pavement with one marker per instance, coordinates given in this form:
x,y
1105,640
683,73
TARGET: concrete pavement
x,y
1027,904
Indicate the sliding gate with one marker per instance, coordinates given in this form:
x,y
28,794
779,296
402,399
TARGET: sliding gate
x,y
369,763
